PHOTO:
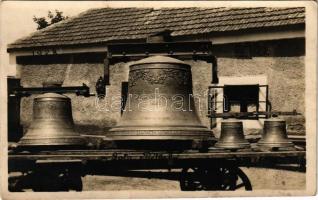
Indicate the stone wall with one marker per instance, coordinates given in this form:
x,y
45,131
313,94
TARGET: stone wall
x,y
285,77
281,62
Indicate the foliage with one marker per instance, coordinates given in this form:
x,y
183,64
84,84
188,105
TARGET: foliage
x,y
52,19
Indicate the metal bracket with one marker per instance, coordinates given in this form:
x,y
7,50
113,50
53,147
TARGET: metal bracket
x,y
25,92
251,114
126,52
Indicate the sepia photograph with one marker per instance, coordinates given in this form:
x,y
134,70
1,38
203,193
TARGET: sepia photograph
x,y
140,99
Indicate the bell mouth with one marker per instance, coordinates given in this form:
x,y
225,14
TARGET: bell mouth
x,y
159,127
228,145
52,142
277,144
160,139
118,133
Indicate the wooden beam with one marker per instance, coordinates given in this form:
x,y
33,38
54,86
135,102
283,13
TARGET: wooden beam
x,y
260,36
59,51
221,39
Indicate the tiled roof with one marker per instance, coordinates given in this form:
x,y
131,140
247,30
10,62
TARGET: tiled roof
x,y
110,24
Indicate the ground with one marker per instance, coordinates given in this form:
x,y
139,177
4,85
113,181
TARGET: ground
x,y
261,178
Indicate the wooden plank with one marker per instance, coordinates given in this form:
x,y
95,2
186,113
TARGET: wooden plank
x,y
57,161
113,155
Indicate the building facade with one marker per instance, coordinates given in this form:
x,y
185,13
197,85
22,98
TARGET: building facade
x,y
254,47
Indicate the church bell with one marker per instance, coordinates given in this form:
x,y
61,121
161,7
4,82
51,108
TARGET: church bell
x,y
52,124
274,134
232,136
160,105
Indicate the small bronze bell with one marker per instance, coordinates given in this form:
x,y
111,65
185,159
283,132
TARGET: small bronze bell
x,y
232,136
52,123
274,134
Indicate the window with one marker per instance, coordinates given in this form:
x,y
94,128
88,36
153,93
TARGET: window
x,y
241,98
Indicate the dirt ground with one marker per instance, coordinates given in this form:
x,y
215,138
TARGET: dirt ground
x,y
260,178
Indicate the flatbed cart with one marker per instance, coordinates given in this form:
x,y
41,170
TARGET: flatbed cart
x,y
213,170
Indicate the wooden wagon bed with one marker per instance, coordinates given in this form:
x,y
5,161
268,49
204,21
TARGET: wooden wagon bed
x,y
213,170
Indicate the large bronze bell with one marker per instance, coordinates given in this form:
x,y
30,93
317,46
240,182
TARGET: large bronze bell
x,y
52,123
274,134
160,103
232,136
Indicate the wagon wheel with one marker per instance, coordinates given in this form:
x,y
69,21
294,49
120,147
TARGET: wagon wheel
x,y
72,180
191,179
231,178
47,182
246,183
56,181
216,178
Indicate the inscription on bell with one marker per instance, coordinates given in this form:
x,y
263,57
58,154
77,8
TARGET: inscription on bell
x,y
51,109
159,76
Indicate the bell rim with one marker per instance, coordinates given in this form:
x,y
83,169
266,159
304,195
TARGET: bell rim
x,y
51,144
158,127
272,145
266,143
159,134
224,145
158,138
31,142
47,141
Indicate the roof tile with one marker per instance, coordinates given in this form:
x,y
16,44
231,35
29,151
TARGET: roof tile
x,y
108,24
